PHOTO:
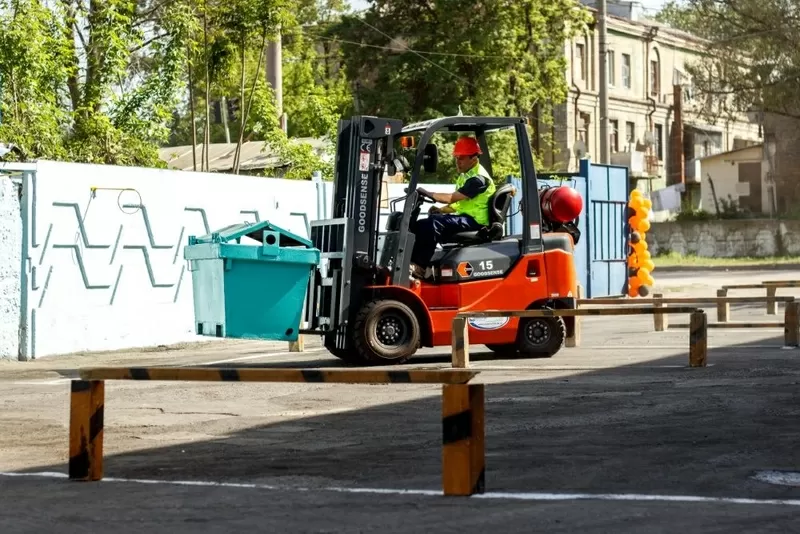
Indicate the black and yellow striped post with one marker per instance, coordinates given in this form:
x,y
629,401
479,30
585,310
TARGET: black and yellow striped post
x,y
86,430
463,449
723,307
791,324
460,338
698,339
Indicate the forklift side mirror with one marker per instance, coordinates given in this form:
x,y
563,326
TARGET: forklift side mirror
x,y
430,160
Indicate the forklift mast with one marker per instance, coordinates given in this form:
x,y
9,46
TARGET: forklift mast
x,y
348,242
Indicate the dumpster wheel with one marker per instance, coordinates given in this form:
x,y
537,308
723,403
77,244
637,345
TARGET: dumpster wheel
x,y
386,332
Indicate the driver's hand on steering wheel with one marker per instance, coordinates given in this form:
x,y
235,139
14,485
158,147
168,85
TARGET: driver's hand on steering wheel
x,y
423,192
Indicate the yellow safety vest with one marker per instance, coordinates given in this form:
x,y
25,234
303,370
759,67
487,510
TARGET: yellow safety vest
x,y
478,207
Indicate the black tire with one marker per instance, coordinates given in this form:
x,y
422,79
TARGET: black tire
x,y
386,332
541,337
507,350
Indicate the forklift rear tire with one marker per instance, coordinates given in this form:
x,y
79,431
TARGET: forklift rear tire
x,y
541,337
386,332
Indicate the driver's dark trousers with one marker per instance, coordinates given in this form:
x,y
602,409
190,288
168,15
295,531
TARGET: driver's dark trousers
x,y
438,228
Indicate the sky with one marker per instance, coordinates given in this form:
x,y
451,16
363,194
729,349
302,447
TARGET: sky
x,y
651,6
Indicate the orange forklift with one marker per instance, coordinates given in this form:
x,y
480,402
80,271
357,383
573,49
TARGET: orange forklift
x,y
361,298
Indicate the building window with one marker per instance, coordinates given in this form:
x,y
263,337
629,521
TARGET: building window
x,y
630,132
580,61
613,136
626,71
612,68
655,75
660,142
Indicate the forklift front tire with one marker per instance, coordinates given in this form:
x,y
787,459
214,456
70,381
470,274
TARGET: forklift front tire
x,y
386,332
541,337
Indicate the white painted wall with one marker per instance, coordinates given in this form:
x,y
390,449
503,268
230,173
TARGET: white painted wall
x,y
10,262
99,280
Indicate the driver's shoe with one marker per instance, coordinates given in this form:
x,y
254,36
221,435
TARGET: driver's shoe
x,y
417,271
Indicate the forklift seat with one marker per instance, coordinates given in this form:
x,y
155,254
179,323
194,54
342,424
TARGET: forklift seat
x,y
498,211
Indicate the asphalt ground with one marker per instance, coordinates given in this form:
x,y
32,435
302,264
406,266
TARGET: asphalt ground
x,y
618,435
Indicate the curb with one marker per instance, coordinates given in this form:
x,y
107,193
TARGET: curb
x,y
727,268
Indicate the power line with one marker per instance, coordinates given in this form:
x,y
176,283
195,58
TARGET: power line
x,y
395,49
392,39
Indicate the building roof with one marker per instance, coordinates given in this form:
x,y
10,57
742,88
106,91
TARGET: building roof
x,y
634,19
759,146
255,155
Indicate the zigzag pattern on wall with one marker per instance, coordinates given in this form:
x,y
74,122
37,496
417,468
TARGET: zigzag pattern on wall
x,y
90,277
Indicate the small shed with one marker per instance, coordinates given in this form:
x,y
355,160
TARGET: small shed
x,y
737,175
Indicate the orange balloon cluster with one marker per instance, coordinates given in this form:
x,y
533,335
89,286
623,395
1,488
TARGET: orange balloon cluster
x,y
640,266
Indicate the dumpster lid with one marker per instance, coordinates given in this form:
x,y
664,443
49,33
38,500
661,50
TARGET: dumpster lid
x,y
254,231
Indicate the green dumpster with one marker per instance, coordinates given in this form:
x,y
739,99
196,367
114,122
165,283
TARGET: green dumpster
x,y
250,291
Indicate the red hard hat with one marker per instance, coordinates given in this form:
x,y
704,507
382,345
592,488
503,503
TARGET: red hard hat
x,y
466,146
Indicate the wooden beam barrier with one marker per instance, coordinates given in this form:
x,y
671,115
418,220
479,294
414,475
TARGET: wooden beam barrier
x,y
326,376
790,324
463,427
771,287
721,301
579,312
460,349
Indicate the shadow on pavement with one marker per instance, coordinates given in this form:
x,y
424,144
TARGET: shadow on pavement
x,y
636,428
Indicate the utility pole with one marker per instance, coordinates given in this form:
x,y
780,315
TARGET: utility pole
x,y
605,156
275,75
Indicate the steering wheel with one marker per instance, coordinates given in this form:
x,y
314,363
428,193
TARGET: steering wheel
x,y
421,197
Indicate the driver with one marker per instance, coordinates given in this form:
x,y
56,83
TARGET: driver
x,y
466,210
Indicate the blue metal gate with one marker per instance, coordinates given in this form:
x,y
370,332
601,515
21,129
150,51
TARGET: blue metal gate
x,y
601,254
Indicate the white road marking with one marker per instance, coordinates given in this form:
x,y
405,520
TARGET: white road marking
x,y
616,365
680,347
255,357
519,496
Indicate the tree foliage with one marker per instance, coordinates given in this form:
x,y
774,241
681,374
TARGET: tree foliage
x,y
111,81
755,48
85,93
418,59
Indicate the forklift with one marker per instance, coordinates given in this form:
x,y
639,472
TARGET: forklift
x,y
362,300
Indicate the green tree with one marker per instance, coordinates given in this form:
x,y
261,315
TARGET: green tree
x,y
91,81
417,59
314,92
